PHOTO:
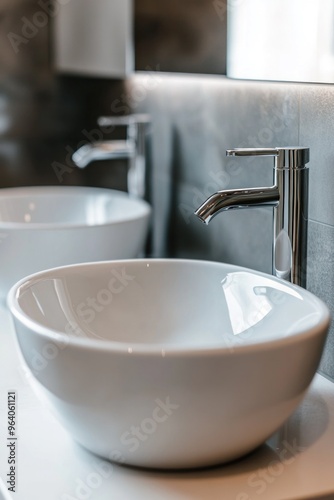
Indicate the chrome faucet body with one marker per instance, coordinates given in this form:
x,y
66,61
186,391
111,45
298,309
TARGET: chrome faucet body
x,y
289,198
131,149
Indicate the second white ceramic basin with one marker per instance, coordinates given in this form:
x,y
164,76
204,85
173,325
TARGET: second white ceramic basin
x,y
48,226
168,363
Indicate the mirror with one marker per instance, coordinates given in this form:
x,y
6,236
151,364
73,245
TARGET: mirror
x,y
281,40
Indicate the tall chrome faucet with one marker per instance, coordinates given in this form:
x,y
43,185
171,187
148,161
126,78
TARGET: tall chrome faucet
x,y
131,149
289,198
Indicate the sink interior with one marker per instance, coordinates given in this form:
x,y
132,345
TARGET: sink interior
x,y
171,303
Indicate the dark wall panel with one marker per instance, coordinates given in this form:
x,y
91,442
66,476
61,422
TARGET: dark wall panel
x,y
186,36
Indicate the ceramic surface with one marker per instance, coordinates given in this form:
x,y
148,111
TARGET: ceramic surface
x,y
168,363
49,226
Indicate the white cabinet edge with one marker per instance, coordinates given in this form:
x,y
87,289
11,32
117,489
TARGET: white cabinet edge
x,y
94,38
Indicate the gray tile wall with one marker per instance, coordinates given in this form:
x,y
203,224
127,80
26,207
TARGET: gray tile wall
x,y
195,119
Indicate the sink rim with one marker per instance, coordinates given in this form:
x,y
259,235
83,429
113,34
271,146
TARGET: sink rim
x,y
150,349
143,207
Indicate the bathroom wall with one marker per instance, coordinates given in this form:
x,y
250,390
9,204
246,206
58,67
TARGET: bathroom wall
x,y
45,116
195,119
187,36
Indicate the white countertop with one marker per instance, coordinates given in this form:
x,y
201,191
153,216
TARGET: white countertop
x,y
296,463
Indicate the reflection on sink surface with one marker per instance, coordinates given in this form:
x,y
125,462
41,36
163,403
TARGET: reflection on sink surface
x,y
254,303
48,226
169,363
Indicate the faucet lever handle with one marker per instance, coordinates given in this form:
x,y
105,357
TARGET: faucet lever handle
x,y
291,158
253,152
126,120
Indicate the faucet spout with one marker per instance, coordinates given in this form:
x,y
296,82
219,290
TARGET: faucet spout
x,y
103,150
231,199
133,149
288,197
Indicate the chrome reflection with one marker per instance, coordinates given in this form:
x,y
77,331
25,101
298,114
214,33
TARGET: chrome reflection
x,y
250,298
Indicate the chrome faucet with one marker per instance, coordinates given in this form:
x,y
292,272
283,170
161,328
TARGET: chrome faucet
x,y
131,149
289,198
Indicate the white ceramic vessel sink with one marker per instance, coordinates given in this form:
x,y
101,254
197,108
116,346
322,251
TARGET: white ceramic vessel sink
x,y
49,226
168,363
